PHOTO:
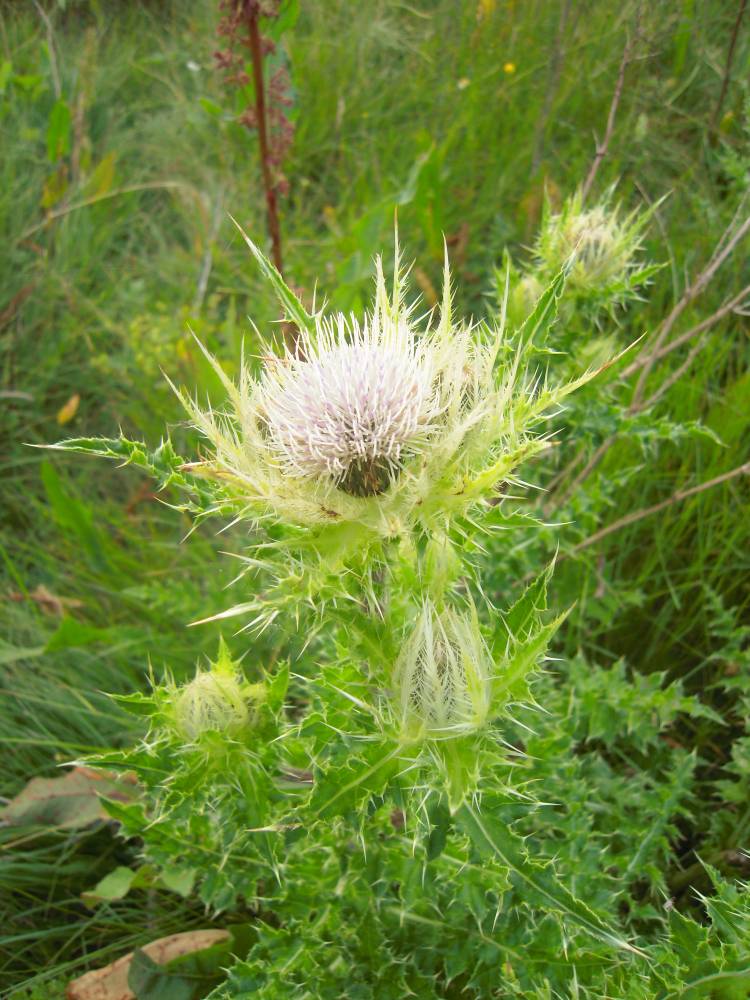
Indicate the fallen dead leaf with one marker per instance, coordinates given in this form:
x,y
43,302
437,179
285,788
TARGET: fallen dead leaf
x,y
8,313
111,982
66,413
68,802
46,600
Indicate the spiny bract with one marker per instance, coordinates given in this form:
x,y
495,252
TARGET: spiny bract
x,y
215,700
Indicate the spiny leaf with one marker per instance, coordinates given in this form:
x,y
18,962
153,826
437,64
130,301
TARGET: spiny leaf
x,y
163,464
511,684
342,788
539,321
496,839
293,308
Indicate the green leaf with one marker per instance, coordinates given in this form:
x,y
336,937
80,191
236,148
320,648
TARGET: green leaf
x,y
285,20
497,840
293,308
538,323
521,617
344,785
163,464
114,886
58,131
10,654
71,634
440,820
6,71
511,683
179,879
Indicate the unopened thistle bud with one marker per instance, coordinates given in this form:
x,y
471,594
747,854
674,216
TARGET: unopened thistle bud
x,y
600,247
216,700
442,677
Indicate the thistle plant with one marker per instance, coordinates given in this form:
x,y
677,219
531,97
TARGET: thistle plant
x,y
366,464
371,435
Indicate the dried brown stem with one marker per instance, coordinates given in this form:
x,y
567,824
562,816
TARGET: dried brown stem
x,y
676,375
728,68
678,497
736,302
585,472
105,196
603,146
256,54
724,248
291,334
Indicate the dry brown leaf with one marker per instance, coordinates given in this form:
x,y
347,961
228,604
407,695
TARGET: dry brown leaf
x,y
66,413
111,982
71,801
46,600
9,312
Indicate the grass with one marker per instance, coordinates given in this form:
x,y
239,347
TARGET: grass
x,y
461,116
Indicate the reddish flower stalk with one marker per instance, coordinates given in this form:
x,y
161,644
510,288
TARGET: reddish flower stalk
x,y
256,53
241,27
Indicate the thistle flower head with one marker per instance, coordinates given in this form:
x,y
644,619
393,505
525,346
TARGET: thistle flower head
x,y
443,676
351,403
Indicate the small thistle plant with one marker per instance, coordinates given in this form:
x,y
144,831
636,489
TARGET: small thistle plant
x,y
367,462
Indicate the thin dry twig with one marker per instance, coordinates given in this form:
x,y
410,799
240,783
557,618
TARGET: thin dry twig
x,y
603,146
208,256
678,497
728,67
724,248
56,83
104,196
734,304
585,472
677,374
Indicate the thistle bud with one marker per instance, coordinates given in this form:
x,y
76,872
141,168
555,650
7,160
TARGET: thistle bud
x,y
600,245
216,700
443,676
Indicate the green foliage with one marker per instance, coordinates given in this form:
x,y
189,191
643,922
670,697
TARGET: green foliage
x,y
615,794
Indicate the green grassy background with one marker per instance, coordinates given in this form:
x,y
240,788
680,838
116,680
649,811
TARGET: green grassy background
x,y
108,238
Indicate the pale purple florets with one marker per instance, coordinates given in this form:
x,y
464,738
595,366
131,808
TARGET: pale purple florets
x,y
353,407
